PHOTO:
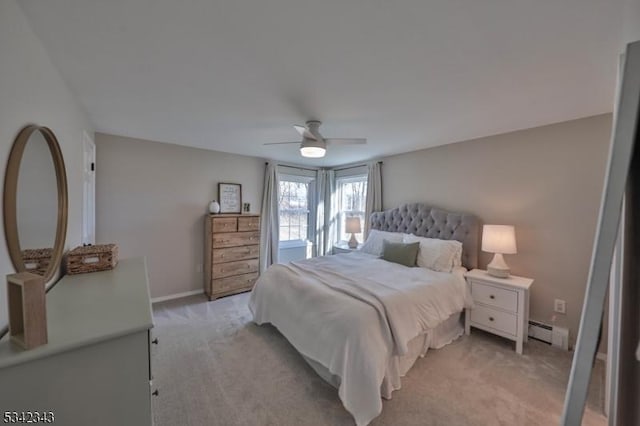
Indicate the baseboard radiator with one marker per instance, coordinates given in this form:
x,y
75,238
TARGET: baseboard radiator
x,y
551,334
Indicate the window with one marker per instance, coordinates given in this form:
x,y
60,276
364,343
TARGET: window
x,y
293,208
352,198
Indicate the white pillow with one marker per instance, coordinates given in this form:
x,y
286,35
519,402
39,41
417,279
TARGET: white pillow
x,y
435,254
375,241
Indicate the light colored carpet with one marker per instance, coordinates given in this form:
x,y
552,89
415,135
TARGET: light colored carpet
x,y
213,366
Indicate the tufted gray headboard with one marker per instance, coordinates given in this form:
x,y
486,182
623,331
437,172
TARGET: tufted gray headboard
x,y
427,221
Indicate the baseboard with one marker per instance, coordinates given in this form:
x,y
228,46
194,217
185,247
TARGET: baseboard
x,y
176,296
601,356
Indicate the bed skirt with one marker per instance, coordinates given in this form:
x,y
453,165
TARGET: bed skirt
x,y
445,333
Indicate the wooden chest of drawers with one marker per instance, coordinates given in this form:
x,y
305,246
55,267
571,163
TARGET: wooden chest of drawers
x,y
232,253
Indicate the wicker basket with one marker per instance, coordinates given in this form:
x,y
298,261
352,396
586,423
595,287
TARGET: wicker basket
x,y
100,257
37,261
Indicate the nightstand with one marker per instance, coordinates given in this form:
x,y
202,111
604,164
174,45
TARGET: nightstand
x,y
343,247
501,306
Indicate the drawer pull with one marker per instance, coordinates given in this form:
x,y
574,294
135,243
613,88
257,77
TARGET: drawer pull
x,y
492,297
155,393
491,319
155,341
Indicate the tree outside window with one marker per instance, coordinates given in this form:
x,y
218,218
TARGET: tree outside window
x,y
293,210
352,199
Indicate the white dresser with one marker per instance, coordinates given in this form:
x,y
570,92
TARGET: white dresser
x,y
501,305
96,368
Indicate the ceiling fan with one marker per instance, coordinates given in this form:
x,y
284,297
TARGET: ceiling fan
x,y
313,144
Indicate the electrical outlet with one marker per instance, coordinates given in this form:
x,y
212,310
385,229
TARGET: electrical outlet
x,y
199,268
560,306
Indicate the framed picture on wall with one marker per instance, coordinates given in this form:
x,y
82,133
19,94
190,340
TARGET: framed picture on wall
x,y
230,196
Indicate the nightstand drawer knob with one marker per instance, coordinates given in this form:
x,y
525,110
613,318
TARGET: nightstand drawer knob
x,y
491,319
492,297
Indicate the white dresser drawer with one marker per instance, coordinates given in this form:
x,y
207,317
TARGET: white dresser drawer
x,y
498,320
494,296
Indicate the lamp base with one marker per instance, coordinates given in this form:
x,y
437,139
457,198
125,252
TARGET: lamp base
x,y
353,243
498,267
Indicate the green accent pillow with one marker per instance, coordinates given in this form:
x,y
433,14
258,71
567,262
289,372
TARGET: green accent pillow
x,y
404,254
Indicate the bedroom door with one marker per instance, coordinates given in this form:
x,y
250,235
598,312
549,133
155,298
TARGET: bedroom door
x,y
89,190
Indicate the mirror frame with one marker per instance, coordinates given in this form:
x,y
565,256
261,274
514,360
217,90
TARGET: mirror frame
x,y
10,196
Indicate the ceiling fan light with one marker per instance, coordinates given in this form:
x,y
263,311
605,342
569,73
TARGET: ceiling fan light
x,y
312,151
311,148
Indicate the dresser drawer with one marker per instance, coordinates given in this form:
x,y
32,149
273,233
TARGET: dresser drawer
x,y
249,223
494,296
498,320
224,224
232,283
228,269
231,254
235,239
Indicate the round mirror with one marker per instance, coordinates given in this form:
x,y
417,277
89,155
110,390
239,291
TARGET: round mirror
x,y
35,202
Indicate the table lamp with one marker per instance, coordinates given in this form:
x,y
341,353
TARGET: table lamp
x,y
353,226
499,239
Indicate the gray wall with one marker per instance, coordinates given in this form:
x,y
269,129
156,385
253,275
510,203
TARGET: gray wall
x,y
151,199
546,181
631,22
32,91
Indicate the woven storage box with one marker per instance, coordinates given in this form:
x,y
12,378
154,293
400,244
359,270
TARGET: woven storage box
x,y
100,257
37,261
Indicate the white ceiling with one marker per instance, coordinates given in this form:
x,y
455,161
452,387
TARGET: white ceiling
x,y
230,75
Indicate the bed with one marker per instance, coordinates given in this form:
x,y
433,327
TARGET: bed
x,y
361,322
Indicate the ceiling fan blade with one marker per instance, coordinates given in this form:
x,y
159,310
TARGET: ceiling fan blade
x,y
346,141
304,132
280,143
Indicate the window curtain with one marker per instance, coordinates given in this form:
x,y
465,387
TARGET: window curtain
x,y
374,193
325,221
269,223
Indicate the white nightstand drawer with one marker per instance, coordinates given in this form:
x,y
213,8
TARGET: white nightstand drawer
x,y
502,321
495,296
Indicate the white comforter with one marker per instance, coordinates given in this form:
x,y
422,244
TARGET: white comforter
x,y
352,313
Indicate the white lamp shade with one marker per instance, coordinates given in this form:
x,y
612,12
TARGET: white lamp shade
x,y
353,225
499,239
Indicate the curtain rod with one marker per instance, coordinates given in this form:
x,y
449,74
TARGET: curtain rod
x,y
353,167
293,167
320,168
